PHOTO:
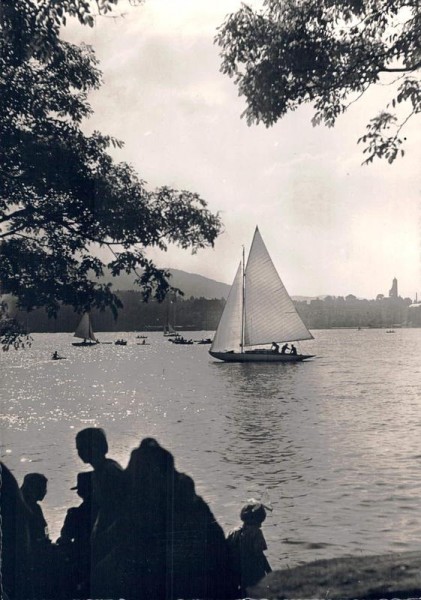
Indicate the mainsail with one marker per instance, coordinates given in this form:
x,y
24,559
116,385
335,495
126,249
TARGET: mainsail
x,y
269,314
84,329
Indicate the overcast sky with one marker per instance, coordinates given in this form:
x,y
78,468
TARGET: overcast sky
x,y
331,225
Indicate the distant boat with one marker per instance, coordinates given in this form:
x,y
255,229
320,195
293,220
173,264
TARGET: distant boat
x,y
169,331
85,332
181,341
120,343
169,328
258,312
204,341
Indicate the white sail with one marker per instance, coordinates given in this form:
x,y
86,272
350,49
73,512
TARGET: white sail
x,y
84,329
270,315
228,334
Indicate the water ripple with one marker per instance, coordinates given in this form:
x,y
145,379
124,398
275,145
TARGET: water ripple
x,y
332,445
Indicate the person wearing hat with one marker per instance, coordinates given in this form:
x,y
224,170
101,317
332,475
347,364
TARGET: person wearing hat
x,y
75,538
80,519
247,545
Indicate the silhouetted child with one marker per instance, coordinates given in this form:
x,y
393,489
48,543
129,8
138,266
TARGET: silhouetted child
x,y
75,540
247,545
34,490
80,519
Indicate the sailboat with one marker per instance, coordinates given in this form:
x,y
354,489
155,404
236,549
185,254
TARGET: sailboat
x,y
84,330
169,331
258,312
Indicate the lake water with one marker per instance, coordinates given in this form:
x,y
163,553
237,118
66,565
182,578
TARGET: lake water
x,y
333,444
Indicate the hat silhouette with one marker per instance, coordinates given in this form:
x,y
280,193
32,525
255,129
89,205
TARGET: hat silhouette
x,y
84,482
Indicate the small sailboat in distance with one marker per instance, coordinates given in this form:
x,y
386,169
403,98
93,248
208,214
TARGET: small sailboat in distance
x,y
169,331
258,312
84,330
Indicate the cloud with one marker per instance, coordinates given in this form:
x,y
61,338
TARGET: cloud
x,y
332,226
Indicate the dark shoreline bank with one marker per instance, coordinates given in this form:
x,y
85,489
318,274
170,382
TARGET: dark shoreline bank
x,y
364,577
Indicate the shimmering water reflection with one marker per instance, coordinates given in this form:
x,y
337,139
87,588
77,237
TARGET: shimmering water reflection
x,y
332,444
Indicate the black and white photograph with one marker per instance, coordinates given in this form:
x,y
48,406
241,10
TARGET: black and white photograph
x,y
210,299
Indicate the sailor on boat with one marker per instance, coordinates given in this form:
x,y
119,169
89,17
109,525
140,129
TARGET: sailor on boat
x,y
258,309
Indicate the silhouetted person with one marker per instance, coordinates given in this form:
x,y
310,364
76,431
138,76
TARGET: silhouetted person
x,y
284,348
275,347
34,490
109,484
80,520
169,543
293,349
16,571
247,545
75,541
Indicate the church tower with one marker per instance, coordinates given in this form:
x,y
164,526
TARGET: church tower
x,y
393,292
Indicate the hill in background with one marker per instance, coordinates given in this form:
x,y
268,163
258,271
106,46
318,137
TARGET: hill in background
x,y
190,283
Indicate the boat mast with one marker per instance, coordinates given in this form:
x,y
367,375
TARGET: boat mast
x,y
243,307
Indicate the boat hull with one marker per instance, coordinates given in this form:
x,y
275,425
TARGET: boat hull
x,y
85,344
260,357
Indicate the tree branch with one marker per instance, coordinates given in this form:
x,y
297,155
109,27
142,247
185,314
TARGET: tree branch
x,y
12,232
358,97
405,122
400,70
19,213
